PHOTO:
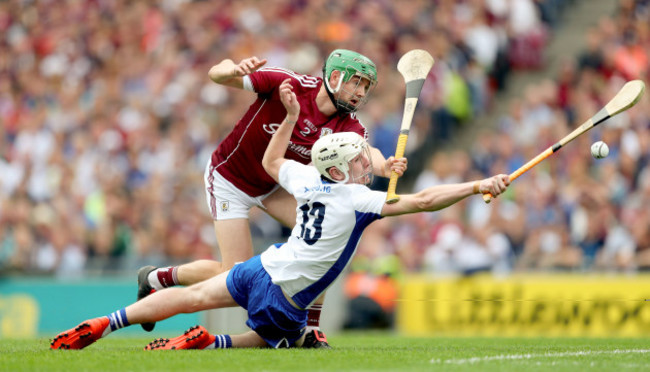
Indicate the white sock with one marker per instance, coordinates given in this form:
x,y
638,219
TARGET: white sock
x,y
163,277
152,278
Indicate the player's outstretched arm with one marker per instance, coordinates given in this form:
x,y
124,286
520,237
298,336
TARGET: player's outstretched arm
x,y
441,196
274,154
230,73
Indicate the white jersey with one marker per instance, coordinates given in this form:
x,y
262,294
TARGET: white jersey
x,y
329,222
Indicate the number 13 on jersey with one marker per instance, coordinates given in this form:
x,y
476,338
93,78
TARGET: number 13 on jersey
x,y
311,227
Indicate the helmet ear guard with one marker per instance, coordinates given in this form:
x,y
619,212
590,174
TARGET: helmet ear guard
x,y
338,85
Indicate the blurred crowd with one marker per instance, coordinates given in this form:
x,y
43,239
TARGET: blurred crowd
x,y
572,212
107,118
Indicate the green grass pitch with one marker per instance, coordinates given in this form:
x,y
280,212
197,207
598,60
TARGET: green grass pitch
x,y
352,352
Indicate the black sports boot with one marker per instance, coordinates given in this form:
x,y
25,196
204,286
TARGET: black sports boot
x,y
144,290
316,339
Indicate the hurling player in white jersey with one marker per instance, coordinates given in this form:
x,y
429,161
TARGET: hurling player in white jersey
x,y
235,180
334,207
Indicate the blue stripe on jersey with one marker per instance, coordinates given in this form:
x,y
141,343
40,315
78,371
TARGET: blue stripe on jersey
x,y
309,294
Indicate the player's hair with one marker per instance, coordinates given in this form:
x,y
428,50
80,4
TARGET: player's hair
x,y
350,64
336,150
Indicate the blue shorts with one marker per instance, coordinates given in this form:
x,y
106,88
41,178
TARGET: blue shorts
x,y
270,315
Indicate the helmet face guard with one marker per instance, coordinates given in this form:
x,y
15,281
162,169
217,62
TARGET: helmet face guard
x,y
350,64
337,150
366,176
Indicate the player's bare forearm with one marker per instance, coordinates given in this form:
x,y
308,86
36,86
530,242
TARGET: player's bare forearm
x,y
442,196
223,73
274,154
431,199
384,167
229,73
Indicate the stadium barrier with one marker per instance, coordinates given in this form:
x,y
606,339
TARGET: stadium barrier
x,y
530,305
42,308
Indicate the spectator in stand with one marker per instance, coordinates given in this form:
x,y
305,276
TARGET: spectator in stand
x,y
149,126
145,132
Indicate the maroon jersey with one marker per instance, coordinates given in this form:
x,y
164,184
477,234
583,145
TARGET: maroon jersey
x,y
239,156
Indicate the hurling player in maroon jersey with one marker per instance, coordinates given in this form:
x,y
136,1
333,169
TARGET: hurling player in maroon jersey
x,y
235,180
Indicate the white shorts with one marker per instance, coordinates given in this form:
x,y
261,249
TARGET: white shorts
x,y
225,200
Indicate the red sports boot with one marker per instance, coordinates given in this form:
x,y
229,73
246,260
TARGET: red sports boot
x,y
82,335
196,337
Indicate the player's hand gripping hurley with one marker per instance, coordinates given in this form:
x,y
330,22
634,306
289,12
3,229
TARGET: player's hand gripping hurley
x,y
414,67
627,97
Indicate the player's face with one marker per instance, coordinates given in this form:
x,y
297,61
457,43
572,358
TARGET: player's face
x,y
355,91
361,168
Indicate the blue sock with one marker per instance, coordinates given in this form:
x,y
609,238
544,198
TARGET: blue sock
x,y
118,319
221,342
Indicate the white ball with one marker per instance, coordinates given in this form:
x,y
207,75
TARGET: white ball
x,y
599,150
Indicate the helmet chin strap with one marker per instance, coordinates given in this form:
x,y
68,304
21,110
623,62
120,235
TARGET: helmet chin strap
x,y
331,96
347,178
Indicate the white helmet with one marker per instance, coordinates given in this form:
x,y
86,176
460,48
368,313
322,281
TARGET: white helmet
x,y
336,150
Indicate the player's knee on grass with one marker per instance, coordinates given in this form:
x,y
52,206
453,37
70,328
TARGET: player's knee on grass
x,y
299,342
